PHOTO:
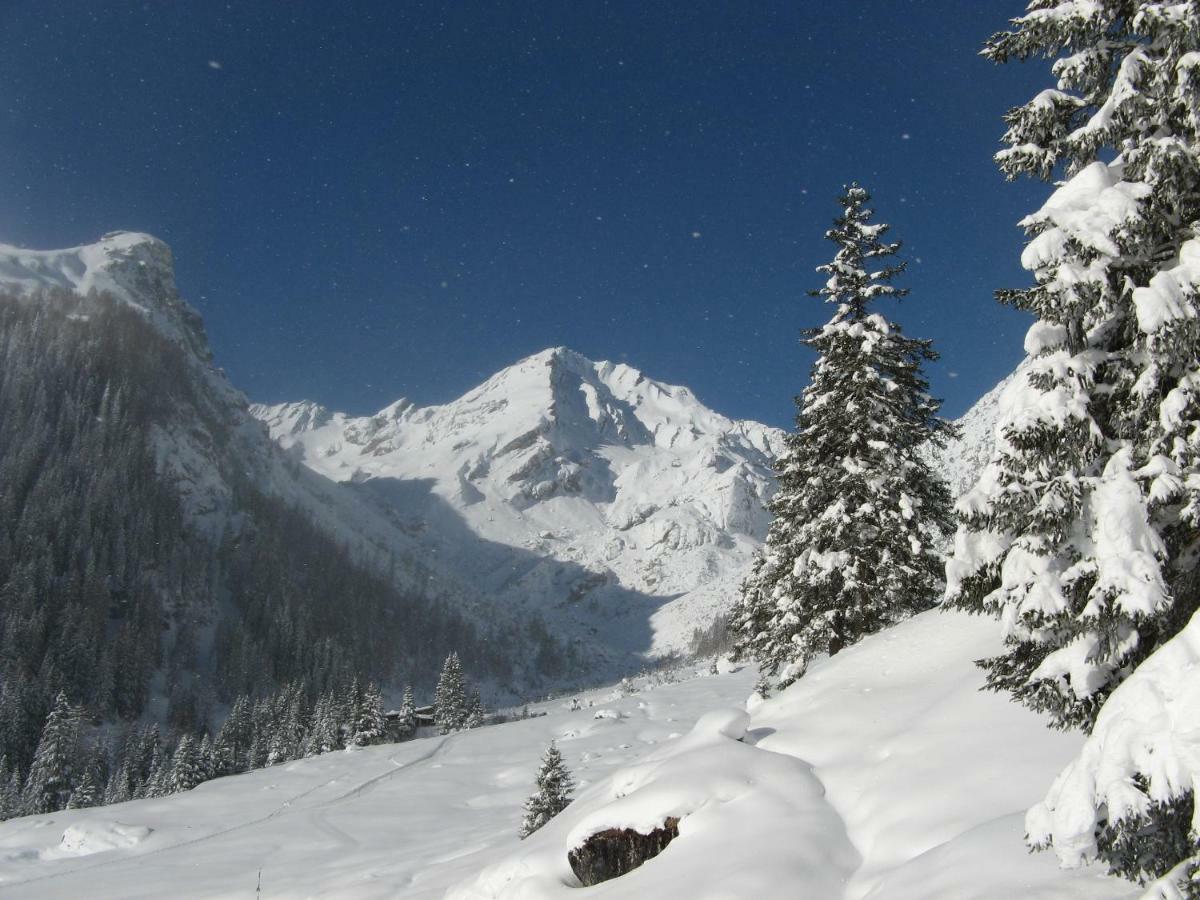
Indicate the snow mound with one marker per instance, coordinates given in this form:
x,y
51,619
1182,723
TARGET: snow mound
x,y
762,815
1149,727
86,838
883,774
930,775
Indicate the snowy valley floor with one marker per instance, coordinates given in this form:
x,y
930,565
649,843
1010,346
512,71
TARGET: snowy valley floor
x,y
883,774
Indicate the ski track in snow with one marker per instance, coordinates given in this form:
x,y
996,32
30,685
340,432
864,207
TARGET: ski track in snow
x,y
316,815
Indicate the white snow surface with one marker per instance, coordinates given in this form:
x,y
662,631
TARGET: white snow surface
x,y
887,772
601,497
883,773
1150,726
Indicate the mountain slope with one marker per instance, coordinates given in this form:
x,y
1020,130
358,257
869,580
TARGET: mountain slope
x,y
964,457
582,489
157,548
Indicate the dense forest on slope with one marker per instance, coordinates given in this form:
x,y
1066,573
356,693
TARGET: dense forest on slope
x,y
108,596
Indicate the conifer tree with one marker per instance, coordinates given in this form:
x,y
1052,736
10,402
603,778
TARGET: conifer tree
x,y
408,714
859,512
762,686
205,755
10,791
93,778
121,786
12,794
450,697
324,734
87,792
53,774
370,724
1104,423
158,781
475,711
187,770
1081,535
553,794
232,747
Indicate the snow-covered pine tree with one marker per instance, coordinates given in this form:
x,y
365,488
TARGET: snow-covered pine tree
x,y
408,714
206,758
323,734
93,777
120,786
762,686
53,774
158,782
13,793
87,792
232,747
475,711
370,725
187,770
10,791
859,511
450,697
553,794
1082,534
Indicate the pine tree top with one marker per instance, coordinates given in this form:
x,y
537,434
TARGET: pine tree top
x,y
852,282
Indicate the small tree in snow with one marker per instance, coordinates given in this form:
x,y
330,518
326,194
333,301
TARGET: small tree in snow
x,y
87,793
450,697
10,791
553,794
370,723
407,723
187,767
859,511
475,711
762,687
52,775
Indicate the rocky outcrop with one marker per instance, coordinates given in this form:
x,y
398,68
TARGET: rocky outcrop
x,y
613,852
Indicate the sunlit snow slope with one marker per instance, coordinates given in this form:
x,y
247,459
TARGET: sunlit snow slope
x,y
599,496
884,774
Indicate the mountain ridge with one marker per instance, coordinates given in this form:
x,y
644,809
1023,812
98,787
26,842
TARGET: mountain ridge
x,y
618,506
592,463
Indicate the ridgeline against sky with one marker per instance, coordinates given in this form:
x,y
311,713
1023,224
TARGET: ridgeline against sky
x,y
401,199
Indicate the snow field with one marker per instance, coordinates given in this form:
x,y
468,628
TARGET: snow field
x,y
398,820
883,774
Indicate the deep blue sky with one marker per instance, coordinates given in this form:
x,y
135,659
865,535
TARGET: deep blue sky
x,y
376,200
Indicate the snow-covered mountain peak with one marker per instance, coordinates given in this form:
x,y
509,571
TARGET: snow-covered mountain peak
x,y
603,481
138,269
